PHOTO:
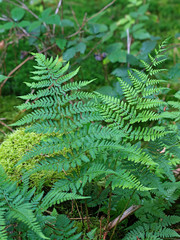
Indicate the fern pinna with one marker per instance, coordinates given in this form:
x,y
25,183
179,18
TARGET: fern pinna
x,y
96,140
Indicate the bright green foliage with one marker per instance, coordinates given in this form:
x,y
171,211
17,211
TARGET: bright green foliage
x,y
76,121
114,146
12,150
140,104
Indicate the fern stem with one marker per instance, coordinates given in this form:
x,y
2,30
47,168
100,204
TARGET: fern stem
x,y
78,209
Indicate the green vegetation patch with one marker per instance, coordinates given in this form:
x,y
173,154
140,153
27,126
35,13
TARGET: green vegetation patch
x,y
14,148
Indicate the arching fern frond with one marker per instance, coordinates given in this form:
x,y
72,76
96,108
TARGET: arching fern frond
x,y
140,103
16,206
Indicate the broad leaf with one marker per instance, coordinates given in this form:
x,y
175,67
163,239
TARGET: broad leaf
x,y
61,43
17,13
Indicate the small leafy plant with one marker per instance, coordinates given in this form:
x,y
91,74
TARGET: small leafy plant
x,y
115,165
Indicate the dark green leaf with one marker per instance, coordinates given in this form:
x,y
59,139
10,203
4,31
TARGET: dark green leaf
x,y
115,54
61,43
148,46
71,43
67,23
174,73
53,19
69,53
107,90
97,28
17,13
24,24
137,26
143,18
141,34
6,26
34,25
132,60
81,47
120,72
107,36
46,13
115,47
142,10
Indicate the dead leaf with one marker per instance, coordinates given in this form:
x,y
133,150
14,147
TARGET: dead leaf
x,y
163,151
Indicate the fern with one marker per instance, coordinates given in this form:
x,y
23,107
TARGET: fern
x,y
25,208
154,230
139,104
98,141
16,204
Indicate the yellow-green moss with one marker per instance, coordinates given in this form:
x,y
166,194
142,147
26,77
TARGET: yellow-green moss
x,y
14,147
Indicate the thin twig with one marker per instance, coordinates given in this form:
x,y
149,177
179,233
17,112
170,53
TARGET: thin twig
x,y
78,210
79,30
92,50
103,9
74,16
128,44
128,41
5,125
24,6
15,4
58,6
85,218
3,132
3,19
20,65
14,70
24,31
85,20
56,12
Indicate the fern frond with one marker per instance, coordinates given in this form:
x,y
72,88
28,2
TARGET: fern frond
x,y
151,231
56,197
16,204
24,213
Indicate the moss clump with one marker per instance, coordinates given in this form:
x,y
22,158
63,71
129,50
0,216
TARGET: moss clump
x,y
12,150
